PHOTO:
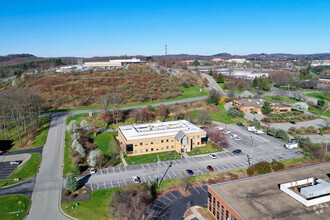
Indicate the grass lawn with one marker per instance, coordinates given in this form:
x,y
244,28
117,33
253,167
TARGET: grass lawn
x,y
67,160
318,111
150,158
319,96
281,99
42,133
96,208
102,141
10,205
222,85
190,92
293,161
209,148
75,117
24,172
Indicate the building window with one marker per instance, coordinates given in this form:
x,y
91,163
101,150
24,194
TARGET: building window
x,y
193,137
172,146
136,151
141,144
157,142
167,147
151,142
162,141
227,214
214,206
218,210
222,212
152,149
210,200
162,148
135,145
141,151
233,217
198,136
197,143
157,148
166,140
146,143
147,150
193,143
172,140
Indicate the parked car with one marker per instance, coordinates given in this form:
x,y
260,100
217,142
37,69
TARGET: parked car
x,y
237,151
190,172
239,123
15,162
226,132
93,171
213,156
252,128
259,132
210,168
233,136
136,179
291,145
293,122
238,138
218,129
1,152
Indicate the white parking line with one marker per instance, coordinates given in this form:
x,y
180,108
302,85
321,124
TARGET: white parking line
x,y
92,187
196,190
167,198
173,195
148,166
118,182
144,179
180,174
125,168
203,189
104,185
169,176
125,182
162,201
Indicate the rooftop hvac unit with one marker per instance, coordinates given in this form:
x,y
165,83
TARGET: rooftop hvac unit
x,y
249,100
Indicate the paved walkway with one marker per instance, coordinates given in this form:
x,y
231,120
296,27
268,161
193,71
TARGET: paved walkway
x,y
123,158
196,212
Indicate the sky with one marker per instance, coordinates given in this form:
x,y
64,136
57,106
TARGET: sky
x,y
204,27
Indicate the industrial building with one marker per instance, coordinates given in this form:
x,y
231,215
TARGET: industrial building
x,y
320,63
248,105
113,63
181,136
281,195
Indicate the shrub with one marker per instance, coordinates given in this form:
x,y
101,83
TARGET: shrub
x,y
93,156
234,112
250,171
272,131
302,106
67,192
255,123
276,165
84,124
76,169
71,183
262,167
282,134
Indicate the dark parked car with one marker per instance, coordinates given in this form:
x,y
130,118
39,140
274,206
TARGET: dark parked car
x,y
210,168
293,122
190,172
237,151
1,152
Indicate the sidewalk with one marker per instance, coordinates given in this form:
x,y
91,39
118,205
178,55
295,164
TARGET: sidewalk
x,y
122,158
196,212
185,155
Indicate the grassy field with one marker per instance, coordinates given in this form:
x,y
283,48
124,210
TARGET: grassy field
x,y
318,111
42,133
75,117
281,99
96,208
24,172
67,160
319,96
14,207
150,158
102,141
190,92
293,161
209,148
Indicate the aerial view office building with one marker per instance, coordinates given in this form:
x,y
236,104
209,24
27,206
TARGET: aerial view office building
x,y
248,105
302,193
181,136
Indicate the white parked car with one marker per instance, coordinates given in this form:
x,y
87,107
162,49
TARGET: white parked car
x,y
233,136
15,162
136,179
213,156
218,129
259,132
252,128
226,132
93,171
238,138
291,145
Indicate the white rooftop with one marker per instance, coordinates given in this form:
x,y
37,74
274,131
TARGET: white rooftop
x,y
161,129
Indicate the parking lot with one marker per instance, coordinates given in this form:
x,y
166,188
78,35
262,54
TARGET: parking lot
x,y
6,170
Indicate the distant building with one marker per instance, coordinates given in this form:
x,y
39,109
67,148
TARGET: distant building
x,y
181,136
238,61
248,105
325,80
218,60
320,63
290,194
114,63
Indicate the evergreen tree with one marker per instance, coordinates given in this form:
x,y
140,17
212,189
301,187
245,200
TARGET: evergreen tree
x,y
71,183
220,78
266,108
272,131
211,73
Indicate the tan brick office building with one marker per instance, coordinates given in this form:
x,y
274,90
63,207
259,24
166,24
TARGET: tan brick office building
x,y
248,105
181,136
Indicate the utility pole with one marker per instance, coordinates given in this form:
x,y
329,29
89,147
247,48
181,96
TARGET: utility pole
x,y
166,56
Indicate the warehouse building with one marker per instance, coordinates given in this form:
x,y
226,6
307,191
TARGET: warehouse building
x,y
301,193
113,63
181,136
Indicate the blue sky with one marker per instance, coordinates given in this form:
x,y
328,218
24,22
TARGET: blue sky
x,y
100,28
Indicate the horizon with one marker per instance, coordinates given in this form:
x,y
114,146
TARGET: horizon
x,y
110,28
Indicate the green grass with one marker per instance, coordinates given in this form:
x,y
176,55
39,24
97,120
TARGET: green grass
x,y
67,160
150,158
294,161
318,111
222,85
220,116
102,141
96,208
24,172
75,117
14,207
209,148
281,99
190,92
42,133
319,96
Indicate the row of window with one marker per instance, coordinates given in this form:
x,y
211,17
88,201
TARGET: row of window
x,y
152,149
157,142
216,209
